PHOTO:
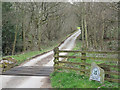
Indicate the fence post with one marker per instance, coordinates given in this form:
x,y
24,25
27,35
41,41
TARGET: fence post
x,y
83,61
56,57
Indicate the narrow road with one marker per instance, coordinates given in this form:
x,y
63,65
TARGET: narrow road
x,y
45,60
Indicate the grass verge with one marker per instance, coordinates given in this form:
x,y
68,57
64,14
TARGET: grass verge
x,y
73,79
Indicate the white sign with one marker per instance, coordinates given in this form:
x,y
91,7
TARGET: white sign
x,y
96,73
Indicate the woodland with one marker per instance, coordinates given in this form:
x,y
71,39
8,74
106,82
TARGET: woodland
x,y
33,26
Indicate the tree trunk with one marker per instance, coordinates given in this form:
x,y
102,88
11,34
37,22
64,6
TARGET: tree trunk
x,y
102,37
23,36
39,35
82,24
39,38
95,39
24,45
86,34
15,38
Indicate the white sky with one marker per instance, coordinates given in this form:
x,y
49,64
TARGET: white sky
x,y
71,1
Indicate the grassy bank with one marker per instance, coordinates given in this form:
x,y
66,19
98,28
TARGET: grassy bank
x,y
44,48
29,54
73,79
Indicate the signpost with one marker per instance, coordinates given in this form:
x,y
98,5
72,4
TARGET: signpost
x,y
96,73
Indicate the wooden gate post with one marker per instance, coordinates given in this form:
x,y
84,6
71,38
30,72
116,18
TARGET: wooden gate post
x,y
56,57
83,61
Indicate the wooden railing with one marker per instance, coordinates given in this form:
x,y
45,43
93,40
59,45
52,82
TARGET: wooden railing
x,y
83,64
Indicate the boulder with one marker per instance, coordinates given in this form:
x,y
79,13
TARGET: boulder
x,y
8,62
106,68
